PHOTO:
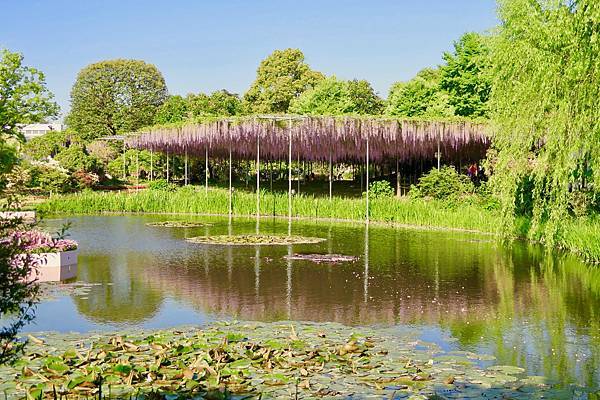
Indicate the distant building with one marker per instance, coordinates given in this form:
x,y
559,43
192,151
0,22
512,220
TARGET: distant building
x,y
34,130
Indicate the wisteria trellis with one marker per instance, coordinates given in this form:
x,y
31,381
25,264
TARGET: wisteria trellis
x,y
336,139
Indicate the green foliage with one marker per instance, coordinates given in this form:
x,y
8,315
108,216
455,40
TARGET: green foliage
x,y
24,97
8,157
50,144
51,180
442,184
544,107
335,97
115,96
103,151
75,158
175,109
380,189
466,75
422,96
162,184
281,77
218,104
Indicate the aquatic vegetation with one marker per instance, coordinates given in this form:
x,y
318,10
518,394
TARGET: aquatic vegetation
x,y
254,240
322,258
262,360
178,224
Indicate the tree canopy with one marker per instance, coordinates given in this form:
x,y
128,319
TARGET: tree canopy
x,y
280,77
421,96
337,97
466,75
220,103
544,106
174,109
24,98
115,96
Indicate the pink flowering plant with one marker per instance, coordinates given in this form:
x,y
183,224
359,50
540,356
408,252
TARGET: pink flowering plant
x,y
36,242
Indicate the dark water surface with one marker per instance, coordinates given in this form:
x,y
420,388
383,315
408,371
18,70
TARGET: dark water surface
x,y
463,291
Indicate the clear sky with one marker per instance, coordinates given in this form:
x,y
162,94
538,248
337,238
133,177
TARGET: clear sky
x,y
210,45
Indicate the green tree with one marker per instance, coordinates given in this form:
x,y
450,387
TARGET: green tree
x,y
337,97
544,106
175,109
50,144
421,96
24,97
218,104
75,158
466,75
115,96
280,78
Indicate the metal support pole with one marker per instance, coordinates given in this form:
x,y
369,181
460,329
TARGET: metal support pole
x,y
137,171
290,170
124,163
151,165
330,175
167,166
367,178
186,168
299,173
206,172
257,179
438,152
397,177
230,188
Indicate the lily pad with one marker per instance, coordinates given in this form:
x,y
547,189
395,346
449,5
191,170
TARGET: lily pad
x,y
253,240
178,224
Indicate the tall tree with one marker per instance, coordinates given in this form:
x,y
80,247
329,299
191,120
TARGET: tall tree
x,y
280,78
115,96
545,107
175,109
422,96
466,75
220,103
24,97
337,97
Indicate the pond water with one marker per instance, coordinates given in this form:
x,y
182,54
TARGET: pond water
x,y
462,291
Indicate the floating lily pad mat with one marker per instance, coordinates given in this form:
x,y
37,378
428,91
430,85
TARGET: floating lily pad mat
x,y
261,240
322,258
178,224
261,360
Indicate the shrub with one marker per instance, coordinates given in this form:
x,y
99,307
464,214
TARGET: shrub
x,y
442,184
75,158
380,189
51,180
162,184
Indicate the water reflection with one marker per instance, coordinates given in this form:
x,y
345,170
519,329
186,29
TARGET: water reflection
x,y
516,303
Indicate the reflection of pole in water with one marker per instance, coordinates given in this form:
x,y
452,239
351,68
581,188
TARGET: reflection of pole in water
x,y
257,271
206,269
366,274
229,264
288,291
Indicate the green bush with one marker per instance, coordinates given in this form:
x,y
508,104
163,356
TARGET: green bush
x,y
162,184
76,158
380,189
442,184
52,180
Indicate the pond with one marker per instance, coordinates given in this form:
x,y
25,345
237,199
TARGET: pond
x,y
459,290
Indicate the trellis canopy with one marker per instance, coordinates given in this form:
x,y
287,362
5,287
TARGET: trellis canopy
x,y
336,139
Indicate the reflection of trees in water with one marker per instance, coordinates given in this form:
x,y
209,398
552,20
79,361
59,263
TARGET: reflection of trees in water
x,y
129,299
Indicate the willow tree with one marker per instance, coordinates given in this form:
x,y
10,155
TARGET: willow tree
x,y
545,108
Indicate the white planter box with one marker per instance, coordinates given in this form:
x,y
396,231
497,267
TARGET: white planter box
x,y
52,267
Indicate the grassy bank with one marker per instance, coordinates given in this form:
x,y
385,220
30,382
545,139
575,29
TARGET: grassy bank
x,y
186,200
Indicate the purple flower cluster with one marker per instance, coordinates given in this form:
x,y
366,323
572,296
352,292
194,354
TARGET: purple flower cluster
x,y
35,241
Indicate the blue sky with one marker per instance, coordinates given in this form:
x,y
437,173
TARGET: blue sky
x,y
211,45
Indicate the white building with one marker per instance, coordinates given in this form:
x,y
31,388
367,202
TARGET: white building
x,y
34,130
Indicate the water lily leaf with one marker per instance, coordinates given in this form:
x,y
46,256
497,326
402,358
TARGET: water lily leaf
x,y
506,369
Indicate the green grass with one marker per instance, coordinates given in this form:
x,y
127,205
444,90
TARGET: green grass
x,y
187,200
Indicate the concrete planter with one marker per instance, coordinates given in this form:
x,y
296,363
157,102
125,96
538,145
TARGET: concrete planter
x,y
52,267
